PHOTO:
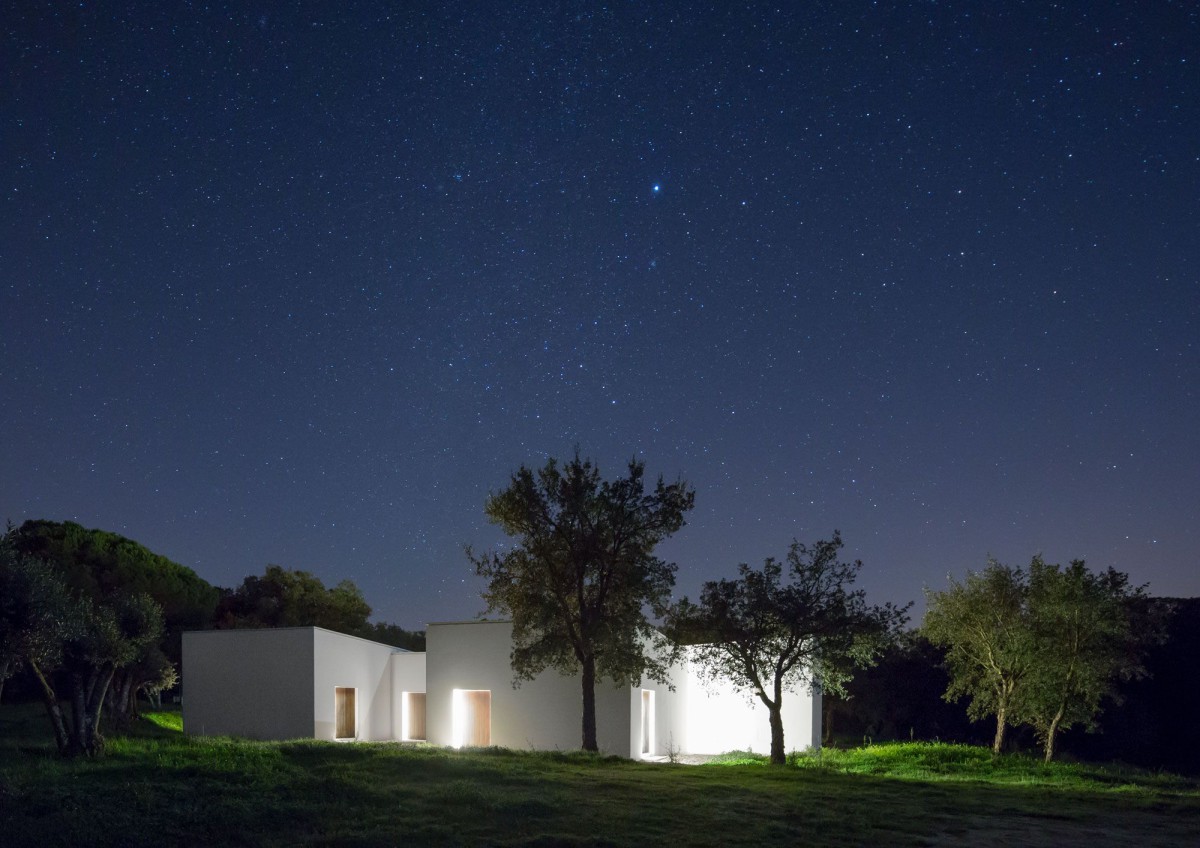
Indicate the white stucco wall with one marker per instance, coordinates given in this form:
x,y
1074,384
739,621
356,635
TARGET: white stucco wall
x,y
279,684
545,713
721,718
360,664
252,683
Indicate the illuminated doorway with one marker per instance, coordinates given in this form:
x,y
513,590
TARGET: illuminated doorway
x,y
472,718
345,714
647,723
414,716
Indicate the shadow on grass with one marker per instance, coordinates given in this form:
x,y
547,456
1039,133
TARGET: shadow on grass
x,y
160,787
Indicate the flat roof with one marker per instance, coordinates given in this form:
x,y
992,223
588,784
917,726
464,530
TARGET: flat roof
x,y
300,627
471,621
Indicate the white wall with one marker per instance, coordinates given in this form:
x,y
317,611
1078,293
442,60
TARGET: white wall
x,y
252,683
341,660
721,718
545,713
670,715
408,675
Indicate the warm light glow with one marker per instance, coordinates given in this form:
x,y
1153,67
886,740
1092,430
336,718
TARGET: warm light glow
x,y
648,721
459,716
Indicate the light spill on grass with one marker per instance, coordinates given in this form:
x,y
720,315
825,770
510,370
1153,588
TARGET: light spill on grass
x,y
158,786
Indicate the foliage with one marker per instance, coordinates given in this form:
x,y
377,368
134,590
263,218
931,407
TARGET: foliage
x,y
1091,630
37,611
286,598
81,623
392,634
96,563
770,635
983,624
282,597
1043,646
582,572
900,697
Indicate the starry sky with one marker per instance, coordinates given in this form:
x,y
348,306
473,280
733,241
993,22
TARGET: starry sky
x,y
301,283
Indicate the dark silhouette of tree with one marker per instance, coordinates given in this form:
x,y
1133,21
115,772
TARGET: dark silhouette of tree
x,y
582,573
37,611
282,597
772,631
900,697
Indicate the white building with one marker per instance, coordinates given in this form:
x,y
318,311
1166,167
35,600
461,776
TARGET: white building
x,y
307,682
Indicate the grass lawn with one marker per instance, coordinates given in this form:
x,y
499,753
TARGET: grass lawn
x,y
159,787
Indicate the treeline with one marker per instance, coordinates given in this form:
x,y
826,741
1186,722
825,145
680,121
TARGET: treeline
x,y
1145,721
93,620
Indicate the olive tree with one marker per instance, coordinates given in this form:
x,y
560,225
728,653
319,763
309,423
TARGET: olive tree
x,y
788,625
581,573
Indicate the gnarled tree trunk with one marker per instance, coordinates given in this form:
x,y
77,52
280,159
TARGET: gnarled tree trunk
x,y
1001,717
589,704
53,709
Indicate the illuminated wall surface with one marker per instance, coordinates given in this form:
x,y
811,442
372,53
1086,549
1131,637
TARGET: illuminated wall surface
x,y
288,683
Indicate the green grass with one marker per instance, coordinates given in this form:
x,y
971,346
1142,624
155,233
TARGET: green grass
x,y
941,762
157,786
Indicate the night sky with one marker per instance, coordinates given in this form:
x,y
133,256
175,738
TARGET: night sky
x,y
302,285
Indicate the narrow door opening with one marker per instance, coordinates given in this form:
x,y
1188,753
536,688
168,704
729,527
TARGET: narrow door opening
x,y
472,717
414,716
647,722
345,720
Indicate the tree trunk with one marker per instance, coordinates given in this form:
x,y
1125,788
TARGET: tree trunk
x,y
119,698
53,709
6,666
589,705
1051,732
778,757
75,744
93,742
998,742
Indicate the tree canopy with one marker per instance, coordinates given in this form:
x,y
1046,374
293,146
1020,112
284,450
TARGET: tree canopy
x,y
1043,646
1091,631
772,630
98,562
282,597
983,624
582,573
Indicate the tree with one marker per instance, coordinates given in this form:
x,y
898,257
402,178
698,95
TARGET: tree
x,y
282,597
286,598
900,697
36,611
96,593
582,573
96,563
1090,631
983,624
1043,646
770,634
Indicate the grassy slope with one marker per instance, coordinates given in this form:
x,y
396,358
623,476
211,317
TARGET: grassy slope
x,y
159,787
